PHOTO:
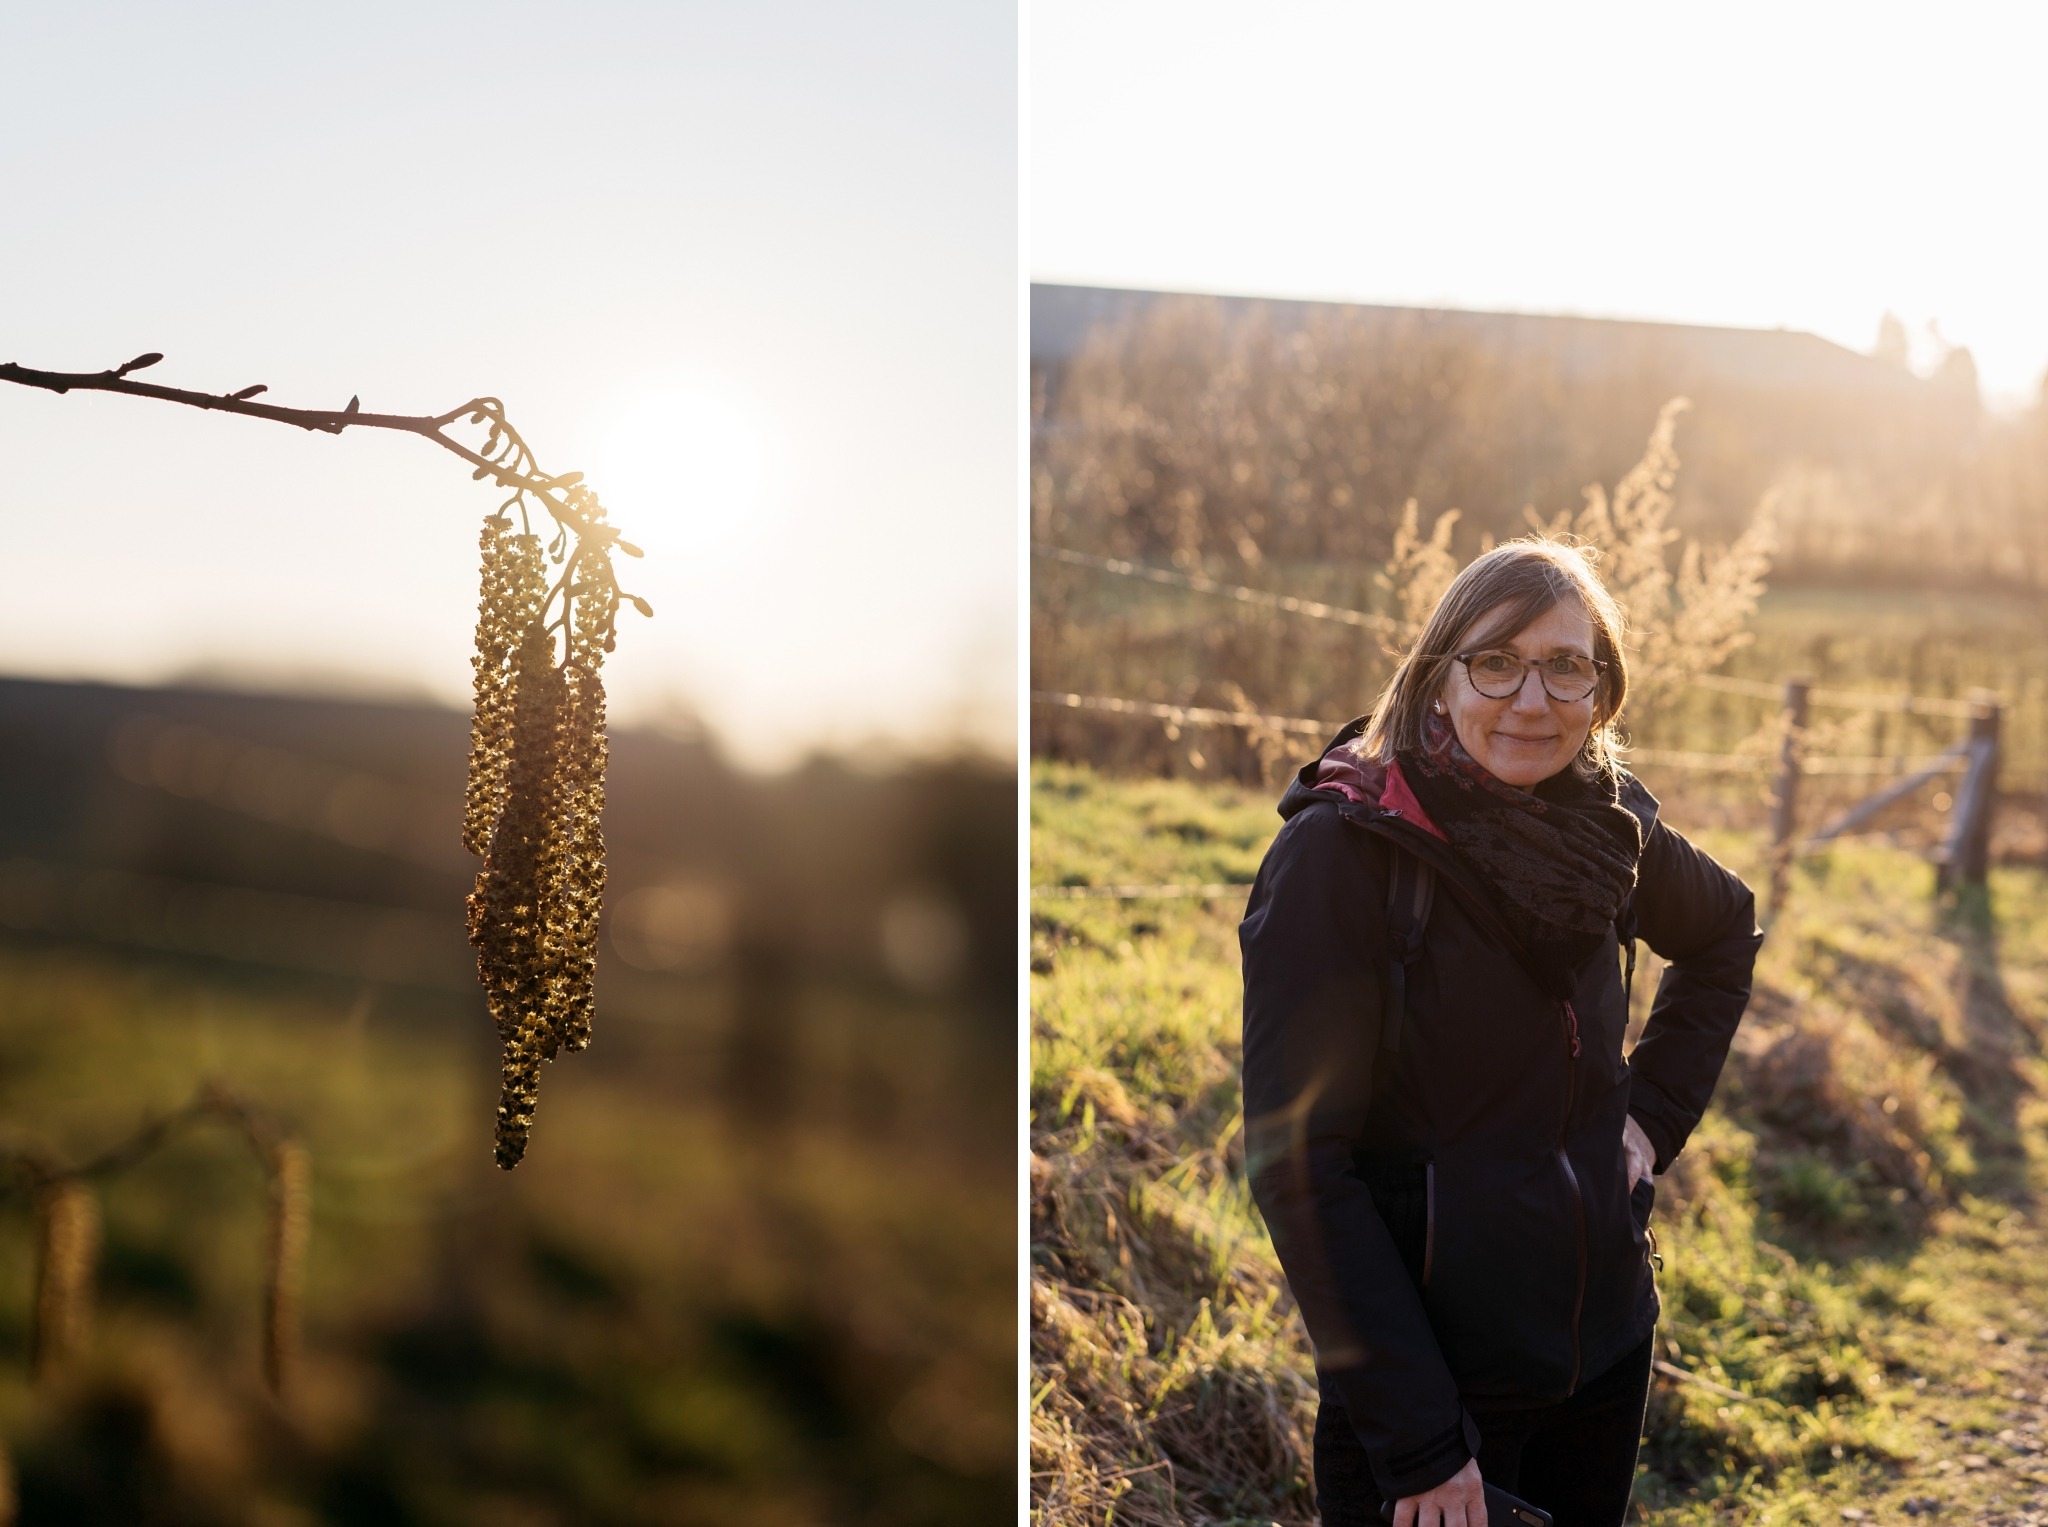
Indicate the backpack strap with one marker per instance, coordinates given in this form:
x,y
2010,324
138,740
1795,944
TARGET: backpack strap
x,y
1411,888
1625,933
1411,891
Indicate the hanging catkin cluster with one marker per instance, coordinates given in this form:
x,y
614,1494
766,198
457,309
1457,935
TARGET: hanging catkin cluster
x,y
536,793
67,1219
284,1260
67,1250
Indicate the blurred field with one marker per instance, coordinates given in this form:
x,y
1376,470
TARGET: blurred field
x,y
758,1265
1853,1271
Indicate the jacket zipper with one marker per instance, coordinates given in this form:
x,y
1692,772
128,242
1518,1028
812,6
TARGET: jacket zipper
x,y
1571,1177
1571,1019
1428,1219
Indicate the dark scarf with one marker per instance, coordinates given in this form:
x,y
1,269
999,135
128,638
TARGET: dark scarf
x,y
1560,859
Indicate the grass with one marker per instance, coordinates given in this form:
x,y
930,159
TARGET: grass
x,y
666,1315
1854,1272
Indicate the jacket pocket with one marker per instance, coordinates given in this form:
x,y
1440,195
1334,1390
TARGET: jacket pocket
x,y
1403,1188
1505,1270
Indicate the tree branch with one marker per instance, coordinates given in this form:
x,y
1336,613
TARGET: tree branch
x,y
333,421
537,758
37,1168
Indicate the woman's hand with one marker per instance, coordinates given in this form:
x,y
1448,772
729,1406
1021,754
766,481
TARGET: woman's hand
x,y
1642,1156
1459,1501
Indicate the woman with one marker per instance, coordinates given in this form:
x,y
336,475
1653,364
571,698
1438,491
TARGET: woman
x,y
1448,1146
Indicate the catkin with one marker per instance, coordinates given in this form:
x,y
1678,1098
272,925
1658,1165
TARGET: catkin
x,y
581,770
537,777
514,582
512,917
582,766
284,1262
67,1248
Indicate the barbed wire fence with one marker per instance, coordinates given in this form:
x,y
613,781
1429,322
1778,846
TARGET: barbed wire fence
x,y
1785,752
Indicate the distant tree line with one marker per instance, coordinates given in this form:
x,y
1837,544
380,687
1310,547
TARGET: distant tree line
x,y
1239,436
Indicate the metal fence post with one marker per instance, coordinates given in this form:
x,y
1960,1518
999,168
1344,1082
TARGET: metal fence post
x,y
1785,799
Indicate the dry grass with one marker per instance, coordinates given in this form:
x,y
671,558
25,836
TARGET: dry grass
x,y
1686,617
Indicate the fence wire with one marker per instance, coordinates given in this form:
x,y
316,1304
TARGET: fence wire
x,y
1666,758
1185,715
1315,609
1137,892
1761,689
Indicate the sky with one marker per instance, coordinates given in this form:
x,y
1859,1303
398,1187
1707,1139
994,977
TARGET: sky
x,y
1810,166
752,267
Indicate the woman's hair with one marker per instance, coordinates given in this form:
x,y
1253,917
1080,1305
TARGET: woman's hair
x,y
1499,594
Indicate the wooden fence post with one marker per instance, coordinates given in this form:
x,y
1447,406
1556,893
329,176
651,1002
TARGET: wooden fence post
x,y
1966,855
1785,800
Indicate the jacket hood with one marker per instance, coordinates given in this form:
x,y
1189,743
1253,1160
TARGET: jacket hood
x,y
1301,792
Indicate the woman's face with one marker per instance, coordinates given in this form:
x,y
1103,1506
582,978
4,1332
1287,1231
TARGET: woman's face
x,y
1527,737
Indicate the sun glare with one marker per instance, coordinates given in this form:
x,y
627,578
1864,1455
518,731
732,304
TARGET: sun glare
x,y
689,457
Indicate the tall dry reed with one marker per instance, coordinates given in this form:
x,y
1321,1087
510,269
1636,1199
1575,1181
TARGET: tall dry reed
x,y
1689,604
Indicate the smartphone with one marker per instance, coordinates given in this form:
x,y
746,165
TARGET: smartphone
x,y
1502,1510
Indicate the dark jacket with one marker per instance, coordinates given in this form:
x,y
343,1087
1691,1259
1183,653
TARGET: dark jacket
x,y
1463,1228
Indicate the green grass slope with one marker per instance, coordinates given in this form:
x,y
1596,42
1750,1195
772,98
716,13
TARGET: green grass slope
x,y
1855,1280
665,1316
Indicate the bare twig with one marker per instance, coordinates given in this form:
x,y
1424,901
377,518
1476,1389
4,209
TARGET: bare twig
x,y
505,459
264,1134
331,421
1687,1376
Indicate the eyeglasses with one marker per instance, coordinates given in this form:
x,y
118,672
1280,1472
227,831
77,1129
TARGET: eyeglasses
x,y
1499,674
